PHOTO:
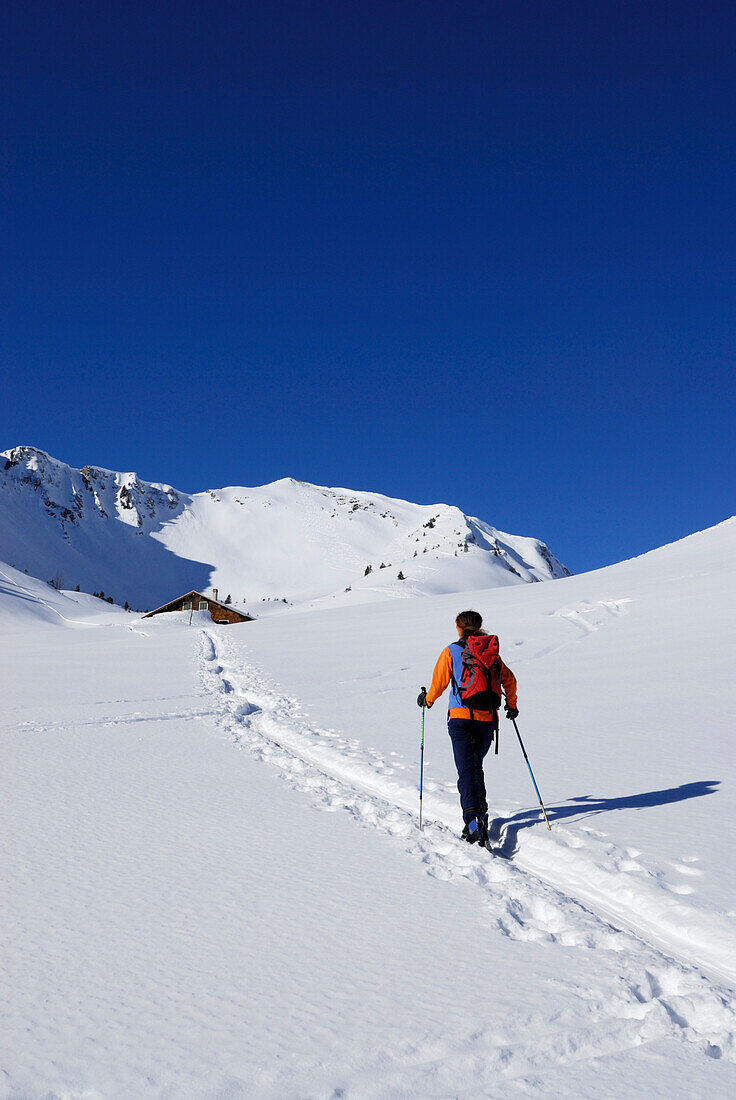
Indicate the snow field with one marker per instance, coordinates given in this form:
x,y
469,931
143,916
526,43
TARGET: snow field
x,y
169,937
519,896
183,919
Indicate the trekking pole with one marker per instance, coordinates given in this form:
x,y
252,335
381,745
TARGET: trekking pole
x,y
531,773
421,766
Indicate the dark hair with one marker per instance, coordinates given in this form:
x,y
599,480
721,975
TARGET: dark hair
x,y
470,622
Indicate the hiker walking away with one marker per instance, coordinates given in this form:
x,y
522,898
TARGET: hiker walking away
x,y
476,673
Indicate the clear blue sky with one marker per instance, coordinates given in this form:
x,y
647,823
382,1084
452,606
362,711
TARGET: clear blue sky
x,y
481,252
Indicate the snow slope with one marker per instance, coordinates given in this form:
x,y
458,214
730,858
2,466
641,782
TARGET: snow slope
x,y
25,600
287,541
190,920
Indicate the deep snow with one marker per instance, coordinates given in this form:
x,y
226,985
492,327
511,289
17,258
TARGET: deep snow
x,y
184,921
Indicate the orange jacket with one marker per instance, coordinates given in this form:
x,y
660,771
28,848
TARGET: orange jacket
x,y
443,674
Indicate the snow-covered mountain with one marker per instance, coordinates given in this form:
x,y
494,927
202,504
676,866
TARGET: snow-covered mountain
x,y
285,542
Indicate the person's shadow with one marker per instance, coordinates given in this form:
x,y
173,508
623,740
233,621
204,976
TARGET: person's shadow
x,y
505,831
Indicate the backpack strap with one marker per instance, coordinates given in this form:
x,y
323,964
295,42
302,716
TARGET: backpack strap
x,y
455,686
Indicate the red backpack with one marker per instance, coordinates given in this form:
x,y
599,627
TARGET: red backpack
x,y
480,681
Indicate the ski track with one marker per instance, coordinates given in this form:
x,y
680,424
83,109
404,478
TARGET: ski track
x,y
586,618
553,891
590,617
106,721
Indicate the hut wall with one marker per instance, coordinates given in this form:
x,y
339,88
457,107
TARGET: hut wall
x,y
225,615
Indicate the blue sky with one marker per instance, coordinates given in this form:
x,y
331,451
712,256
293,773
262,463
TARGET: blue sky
x,y
479,252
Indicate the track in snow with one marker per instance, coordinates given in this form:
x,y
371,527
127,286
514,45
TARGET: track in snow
x,y
666,987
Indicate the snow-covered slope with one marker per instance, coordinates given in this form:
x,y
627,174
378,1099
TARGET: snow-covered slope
x,y
289,541
92,528
185,919
25,600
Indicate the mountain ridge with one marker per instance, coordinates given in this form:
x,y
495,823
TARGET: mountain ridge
x,y
285,543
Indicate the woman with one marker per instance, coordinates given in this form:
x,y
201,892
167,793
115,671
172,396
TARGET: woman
x,y
471,730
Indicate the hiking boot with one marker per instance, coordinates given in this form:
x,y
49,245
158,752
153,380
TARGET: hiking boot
x,y
472,831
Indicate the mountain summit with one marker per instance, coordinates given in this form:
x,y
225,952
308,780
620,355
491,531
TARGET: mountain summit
x,y
287,542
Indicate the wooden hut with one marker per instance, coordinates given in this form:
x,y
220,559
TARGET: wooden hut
x,y
197,601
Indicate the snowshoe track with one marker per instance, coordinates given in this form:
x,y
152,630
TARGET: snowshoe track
x,y
669,992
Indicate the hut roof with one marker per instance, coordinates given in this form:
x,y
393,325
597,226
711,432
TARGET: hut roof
x,y
202,596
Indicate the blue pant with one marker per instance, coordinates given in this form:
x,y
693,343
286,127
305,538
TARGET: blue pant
x,y
470,743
